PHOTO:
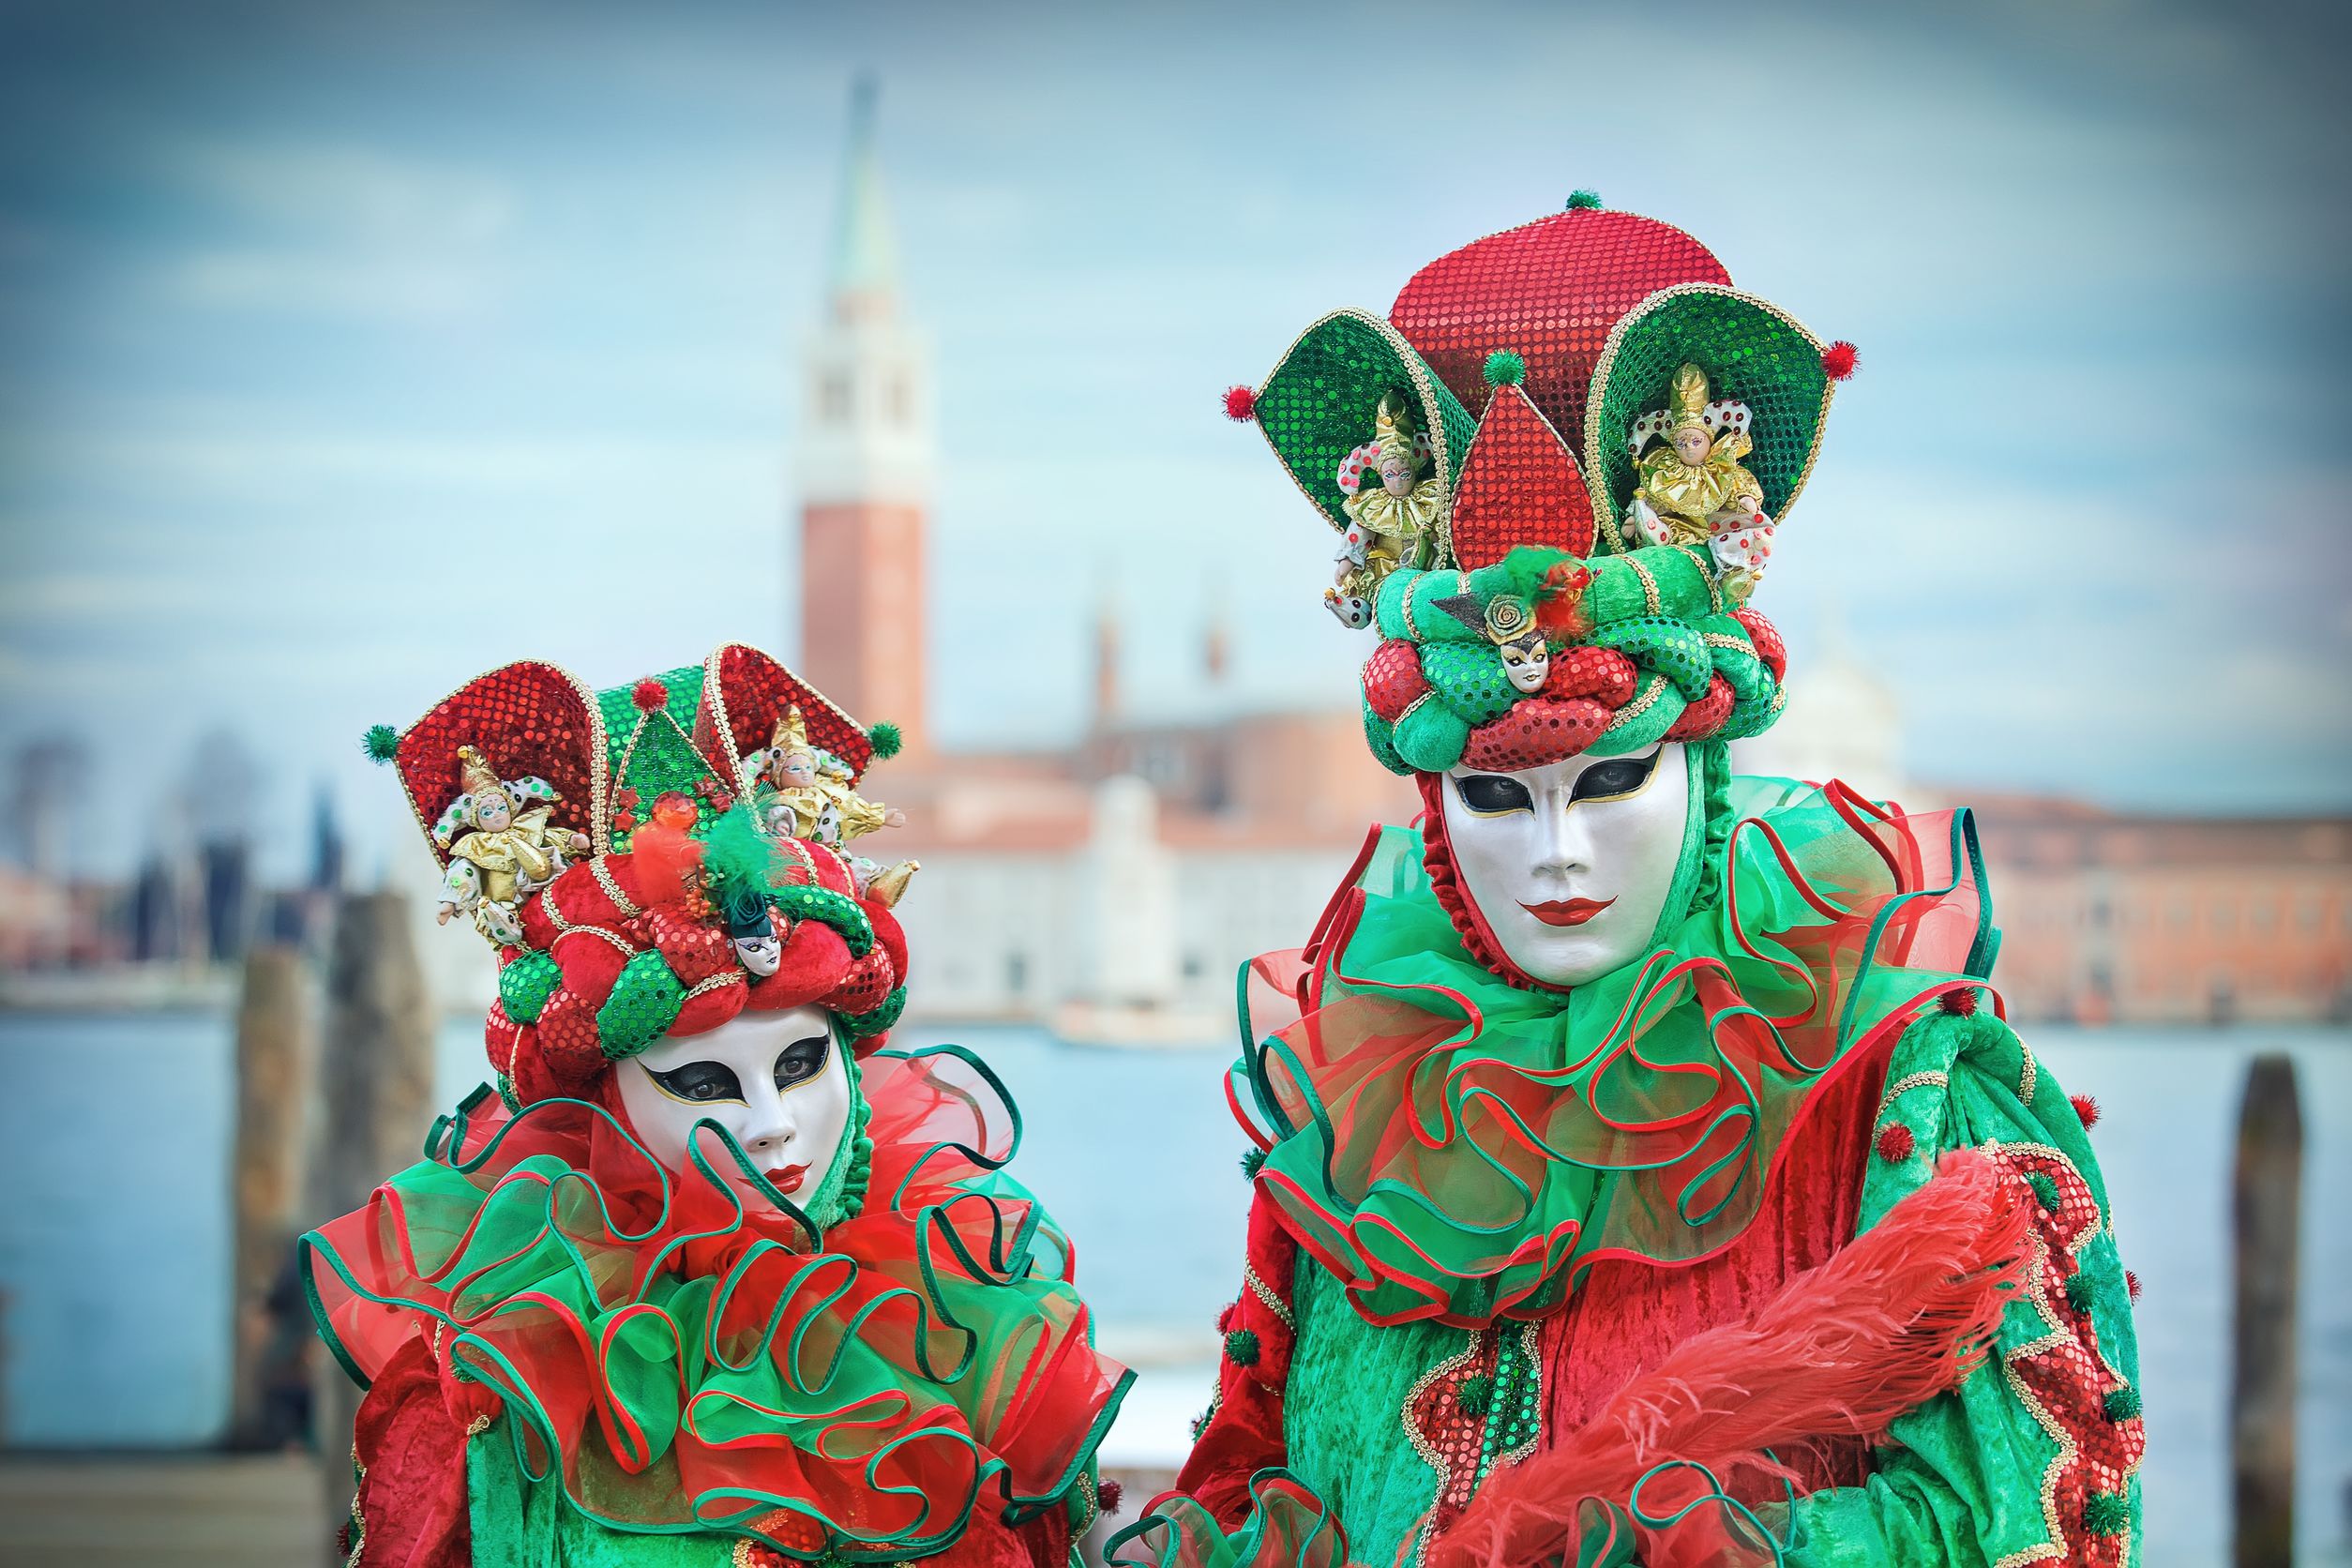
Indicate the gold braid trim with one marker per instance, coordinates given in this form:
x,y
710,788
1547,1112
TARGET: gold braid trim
x,y
1905,1084
621,900
1264,1293
703,988
1649,585
1640,705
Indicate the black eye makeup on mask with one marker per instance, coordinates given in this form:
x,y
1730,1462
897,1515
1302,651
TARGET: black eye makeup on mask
x,y
1496,794
801,1060
698,1083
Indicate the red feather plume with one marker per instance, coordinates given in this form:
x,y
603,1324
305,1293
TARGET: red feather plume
x,y
1904,1312
1559,602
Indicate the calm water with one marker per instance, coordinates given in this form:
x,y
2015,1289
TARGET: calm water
x,y
114,1258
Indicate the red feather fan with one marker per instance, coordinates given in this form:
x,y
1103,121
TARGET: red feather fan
x,y
1903,1313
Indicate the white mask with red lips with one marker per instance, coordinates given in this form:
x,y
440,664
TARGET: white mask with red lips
x,y
777,1082
1571,863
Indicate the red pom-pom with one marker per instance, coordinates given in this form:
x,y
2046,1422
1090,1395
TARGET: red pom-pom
x,y
1241,402
2086,1108
1962,1003
1896,1143
2132,1282
1839,360
1107,1496
1225,1316
649,694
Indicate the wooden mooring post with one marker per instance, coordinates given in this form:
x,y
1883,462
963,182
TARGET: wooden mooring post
x,y
2265,1213
375,1081
276,1024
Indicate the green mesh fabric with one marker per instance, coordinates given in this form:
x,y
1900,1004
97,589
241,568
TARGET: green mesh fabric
x,y
1318,404
656,756
1749,349
1468,675
525,985
884,1016
808,902
1669,648
643,1004
1655,605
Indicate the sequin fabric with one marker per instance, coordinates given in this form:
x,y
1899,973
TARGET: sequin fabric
x,y
1551,290
2062,1378
1750,351
1519,486
744,692
1536,732
1393,680
526,718
1319,404
1475,1412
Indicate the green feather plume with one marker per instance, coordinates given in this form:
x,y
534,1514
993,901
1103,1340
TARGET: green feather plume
x,y
1521,572
381,743
741,867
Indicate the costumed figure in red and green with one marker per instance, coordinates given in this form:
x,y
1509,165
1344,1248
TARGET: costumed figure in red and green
x,y
1644,1170
712,1276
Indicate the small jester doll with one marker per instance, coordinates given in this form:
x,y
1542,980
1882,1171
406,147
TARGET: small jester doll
x,y
504,848
1691,489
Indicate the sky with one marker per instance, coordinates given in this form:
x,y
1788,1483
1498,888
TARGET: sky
x,y
349,351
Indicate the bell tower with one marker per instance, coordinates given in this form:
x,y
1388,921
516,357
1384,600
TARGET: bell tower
x,y
865,456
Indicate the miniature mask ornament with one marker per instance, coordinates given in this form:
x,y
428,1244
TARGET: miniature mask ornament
x,y
1690,487
1527,656
1571,862
777,1082
1391,524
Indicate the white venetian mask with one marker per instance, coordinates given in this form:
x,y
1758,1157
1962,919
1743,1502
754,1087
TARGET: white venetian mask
x,y
777,1082
1527,661
1571,862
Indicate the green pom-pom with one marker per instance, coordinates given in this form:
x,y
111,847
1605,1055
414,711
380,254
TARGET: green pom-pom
x,y
1253,1161
1505,367
1476,1396
2106,1514
2121,1404
2044,1189
643,1004
1240,1348
1200,1423
381,743
525,985
2078,1291
1587,199
885,740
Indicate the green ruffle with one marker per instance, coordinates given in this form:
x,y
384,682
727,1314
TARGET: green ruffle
x,y
1455,1147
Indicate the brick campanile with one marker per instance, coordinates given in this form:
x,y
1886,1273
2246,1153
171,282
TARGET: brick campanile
x,y
865,466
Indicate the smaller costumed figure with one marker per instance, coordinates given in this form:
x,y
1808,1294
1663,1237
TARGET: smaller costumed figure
x,y
502,848
804,791
1391,525
1691,489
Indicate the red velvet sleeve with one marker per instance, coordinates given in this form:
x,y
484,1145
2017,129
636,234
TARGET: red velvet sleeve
x,y
1245,1431
411,1453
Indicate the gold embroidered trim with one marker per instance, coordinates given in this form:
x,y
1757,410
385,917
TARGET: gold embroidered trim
x,y
603,874
1725,639
1649,585
703,988
1421,1446
1264,1293
1431,419
1706,575
478,1425
597,838
1596,476
1409,709
1909,1082
1640,705
2025,1076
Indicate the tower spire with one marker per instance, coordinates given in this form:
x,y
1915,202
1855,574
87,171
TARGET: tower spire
x,y
864,273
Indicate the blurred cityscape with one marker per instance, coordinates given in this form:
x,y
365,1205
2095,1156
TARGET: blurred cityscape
x,y
1163,848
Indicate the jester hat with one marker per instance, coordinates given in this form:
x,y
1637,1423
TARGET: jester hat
x,y
631,943
1538,362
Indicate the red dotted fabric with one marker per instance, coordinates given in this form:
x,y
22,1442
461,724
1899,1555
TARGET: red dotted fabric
x,y
2063,1373
1393,681
1519,486
1536,730
1550,290
1605,675
755,691
526,718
